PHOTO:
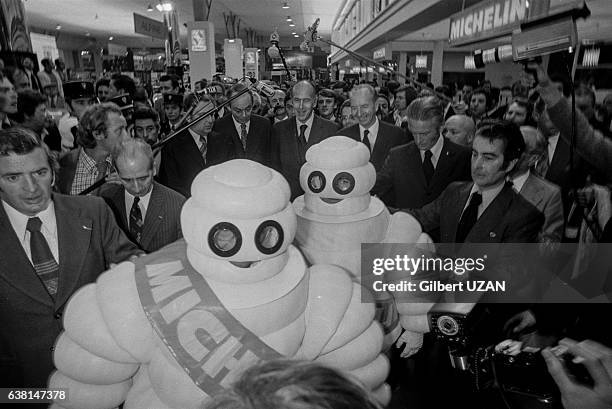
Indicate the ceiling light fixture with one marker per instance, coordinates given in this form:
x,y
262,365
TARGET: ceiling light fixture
x,y
289,18
150,8
291,24
285,5
296,36
58,27
165,6
111,38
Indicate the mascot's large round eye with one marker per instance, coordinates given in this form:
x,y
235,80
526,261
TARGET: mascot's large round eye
x,y
269,237
316,182
344,183
224,239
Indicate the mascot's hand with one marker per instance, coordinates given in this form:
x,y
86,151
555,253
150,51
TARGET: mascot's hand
x,y
413,341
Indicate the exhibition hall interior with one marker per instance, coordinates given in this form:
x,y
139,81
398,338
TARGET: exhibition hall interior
x,y
305,204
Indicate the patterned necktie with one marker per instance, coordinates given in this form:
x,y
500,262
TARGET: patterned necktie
x,y
43,261
303,134
428,168
136,220
366,140
102,168
243,136
203,147
468,218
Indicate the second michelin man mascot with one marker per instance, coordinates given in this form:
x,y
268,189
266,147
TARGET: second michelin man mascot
x,y
337,214
178,325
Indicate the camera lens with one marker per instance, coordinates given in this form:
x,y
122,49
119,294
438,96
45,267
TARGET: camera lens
x,y
448,325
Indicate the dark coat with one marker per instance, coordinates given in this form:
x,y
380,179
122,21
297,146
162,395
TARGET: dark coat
x,y
89,241
258,138
288,155
162,222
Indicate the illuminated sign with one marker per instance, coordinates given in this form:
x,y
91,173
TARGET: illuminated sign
x,y
198,40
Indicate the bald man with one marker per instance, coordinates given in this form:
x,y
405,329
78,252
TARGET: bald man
x,y
460,129
292,137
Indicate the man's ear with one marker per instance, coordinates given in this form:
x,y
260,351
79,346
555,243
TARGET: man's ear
x,y
98,134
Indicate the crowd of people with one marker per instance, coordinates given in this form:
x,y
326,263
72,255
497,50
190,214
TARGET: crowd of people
x,y
482,165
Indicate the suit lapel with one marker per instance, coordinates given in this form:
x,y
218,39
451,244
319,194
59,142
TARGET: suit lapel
x,y
15,265
252,140
189,150
559,160
119,200
532,192
315,135
416,163
73,235
153,218
457,208
444,164
380,145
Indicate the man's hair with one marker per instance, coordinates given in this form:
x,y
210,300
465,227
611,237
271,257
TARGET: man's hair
x,y
94,119
328,93
582,90
28,100
507,132
237,88
345,104
172,78
284,384
488,99
426,109
445,90
133,148
305,82
45,61
102,82
366,87
145,113
528,106
21,141
410,92
379,95
125,83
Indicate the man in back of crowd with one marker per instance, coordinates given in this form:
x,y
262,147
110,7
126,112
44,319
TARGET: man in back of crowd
x,y
168,84
34,116
148,212
277,106
102,89
79,97
8,102
460,129
28,67
147,127
121,84
404,95
48,76
250,133
480,102
519,112
379,137
173,112
327,104
101,129
52,245
292,137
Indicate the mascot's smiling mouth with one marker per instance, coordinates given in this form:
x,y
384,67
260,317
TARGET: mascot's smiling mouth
x,y
331,201
244,264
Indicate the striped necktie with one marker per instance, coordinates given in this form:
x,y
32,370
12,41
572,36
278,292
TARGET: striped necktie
x,y
43,261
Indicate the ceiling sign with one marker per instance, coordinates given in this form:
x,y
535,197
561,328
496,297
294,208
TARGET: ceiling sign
x,y
493,18
149,27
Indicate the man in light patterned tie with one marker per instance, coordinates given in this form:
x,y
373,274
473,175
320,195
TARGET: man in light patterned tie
x,y
52,245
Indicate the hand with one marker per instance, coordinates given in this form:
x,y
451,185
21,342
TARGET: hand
x,y
547,90
585,197
413,341
113,178
598,361
520,321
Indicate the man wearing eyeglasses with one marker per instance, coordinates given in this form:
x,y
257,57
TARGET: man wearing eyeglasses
x,y
148,212
250,133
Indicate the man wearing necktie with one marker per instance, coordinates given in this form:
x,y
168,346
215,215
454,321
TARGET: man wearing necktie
x,y
292,137
488,211
51,246
379,137
249,133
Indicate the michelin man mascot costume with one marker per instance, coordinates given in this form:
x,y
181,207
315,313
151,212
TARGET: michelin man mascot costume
x,y
337,214
178,325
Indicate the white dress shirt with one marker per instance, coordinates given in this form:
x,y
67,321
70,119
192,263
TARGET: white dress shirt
x,y
552,146
238,126
436,151
488,196
196,138
308,123
372,135
519,181
48,228
143,204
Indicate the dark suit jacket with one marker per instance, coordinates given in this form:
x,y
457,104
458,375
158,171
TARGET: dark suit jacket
x,y
401,181
258,138
162,222
181,160
89,241
65,176
389,136
288,155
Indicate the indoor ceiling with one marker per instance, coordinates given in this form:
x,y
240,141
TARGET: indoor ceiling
x,y
101,19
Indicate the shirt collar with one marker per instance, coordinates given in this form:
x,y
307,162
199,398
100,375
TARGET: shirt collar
x,y
238,125
196,136
144,200
519,181
19,220
373,128
488,195
436,150
90,164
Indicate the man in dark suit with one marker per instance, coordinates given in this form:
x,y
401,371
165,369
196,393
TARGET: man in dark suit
x,y
377,135
292,137
249,133
416,173
51,246
486,210
148,212
191,151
